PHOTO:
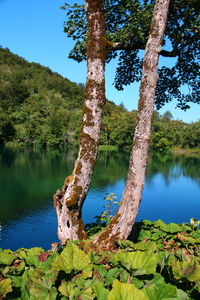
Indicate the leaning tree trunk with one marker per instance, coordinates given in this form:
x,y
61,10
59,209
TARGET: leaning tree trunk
x,y
68,202
121,225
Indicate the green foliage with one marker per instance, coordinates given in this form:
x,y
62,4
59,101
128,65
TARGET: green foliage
x,y
160,263
5,287
127,24
73,259
125,291
39,107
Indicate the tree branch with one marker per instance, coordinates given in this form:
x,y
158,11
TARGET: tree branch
x,y
139,46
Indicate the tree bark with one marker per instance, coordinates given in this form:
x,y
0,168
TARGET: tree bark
x,y
121,225
68,202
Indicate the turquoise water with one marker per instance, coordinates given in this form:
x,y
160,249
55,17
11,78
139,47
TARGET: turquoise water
x,y
28,179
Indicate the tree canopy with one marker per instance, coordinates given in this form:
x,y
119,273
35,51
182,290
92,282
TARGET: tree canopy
x,y
127,28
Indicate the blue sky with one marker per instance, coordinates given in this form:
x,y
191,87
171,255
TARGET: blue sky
x,y
34,31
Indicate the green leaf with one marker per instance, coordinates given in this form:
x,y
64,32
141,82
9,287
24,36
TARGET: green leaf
x,y
189,269
31,255
181,295
165,259
125,291
145,262
87,294
72,258
143,245
5,287
102,272
148,245
186,239
40,284
6,257
159,290
40,292
70,290
17,268
159,223
172,228
144,234
100,291
16,280
112,274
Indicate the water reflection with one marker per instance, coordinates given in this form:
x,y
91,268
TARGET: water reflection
x,y
28,179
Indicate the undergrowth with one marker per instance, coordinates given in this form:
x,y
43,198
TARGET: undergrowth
x,y
159,261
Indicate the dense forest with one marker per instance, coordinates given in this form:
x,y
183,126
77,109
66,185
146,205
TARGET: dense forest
x,y
41,108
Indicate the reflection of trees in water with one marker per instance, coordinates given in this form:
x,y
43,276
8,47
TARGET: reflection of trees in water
x,y
191,167
111,167
7,157
29,178
173,167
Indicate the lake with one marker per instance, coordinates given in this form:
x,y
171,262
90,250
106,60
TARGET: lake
x,y
28,179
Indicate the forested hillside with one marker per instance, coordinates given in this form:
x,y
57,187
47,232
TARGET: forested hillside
x,y
40,107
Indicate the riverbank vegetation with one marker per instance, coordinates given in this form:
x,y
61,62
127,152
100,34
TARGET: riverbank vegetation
x,y
161,262
41,108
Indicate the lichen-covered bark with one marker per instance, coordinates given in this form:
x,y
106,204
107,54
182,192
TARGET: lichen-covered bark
x,y
68,202
121,225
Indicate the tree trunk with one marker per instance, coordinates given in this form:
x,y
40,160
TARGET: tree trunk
x,y
68,202
121,225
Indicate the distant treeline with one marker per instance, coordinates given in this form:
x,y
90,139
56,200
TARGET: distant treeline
x,y
40,107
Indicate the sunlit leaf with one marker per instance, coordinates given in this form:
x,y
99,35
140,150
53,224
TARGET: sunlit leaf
x,y
100,291
70,290
189,269
72,258
159,290
5,287
6,257
125,291
144,262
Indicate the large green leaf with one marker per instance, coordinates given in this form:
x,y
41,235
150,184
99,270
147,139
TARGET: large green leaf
x,y
30,255
144,234
186,239
5,287
69,289
40,284
143,245
42,293
16,280
172,228
189,269
72,258
17,267
125,291
159,223
112,274
144,262
159,290
181,295
6,257
100,291
147,245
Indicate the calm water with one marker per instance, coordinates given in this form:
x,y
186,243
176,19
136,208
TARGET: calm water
x,y
28,179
